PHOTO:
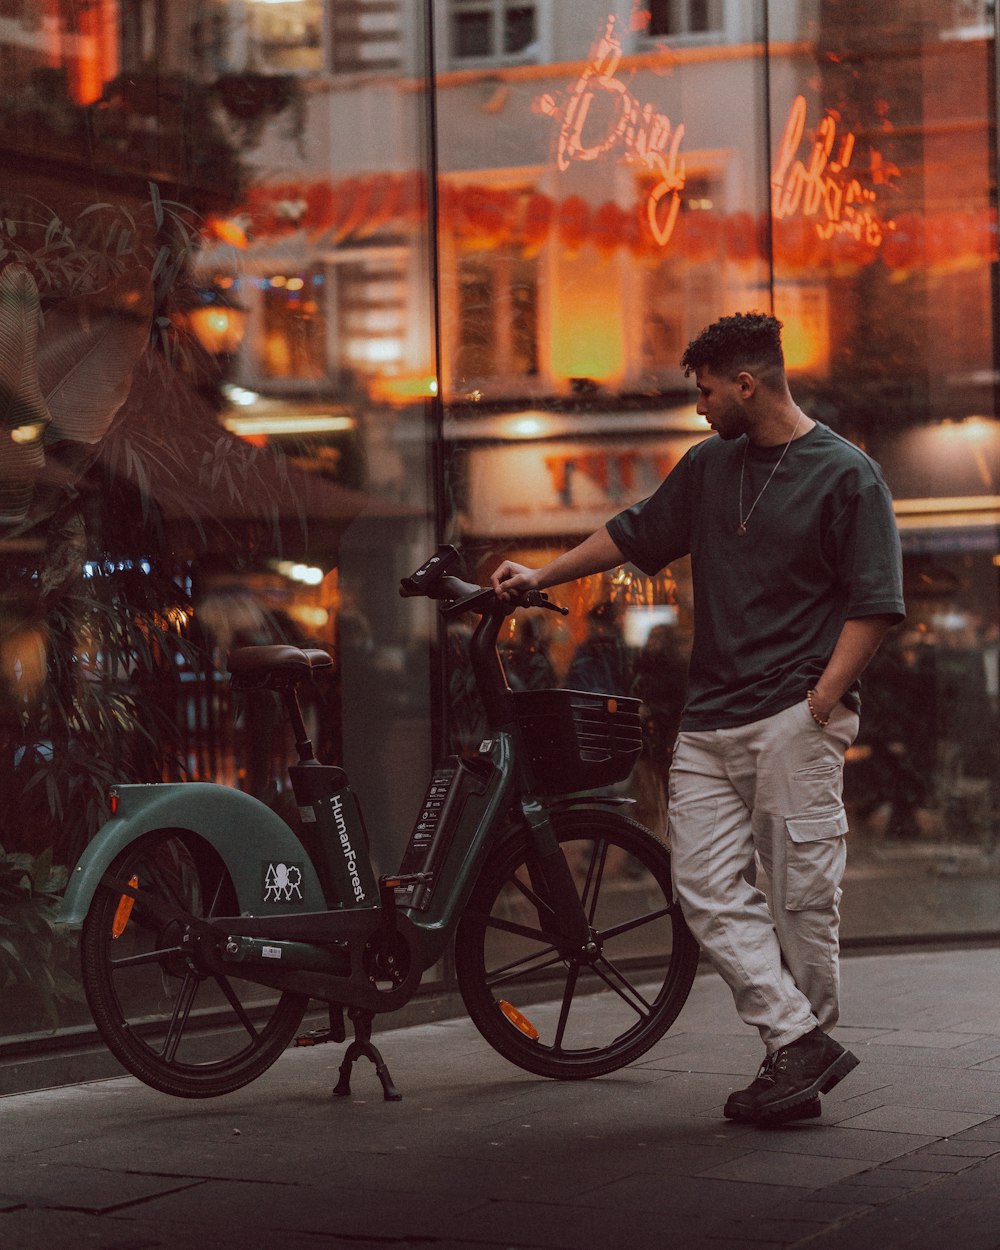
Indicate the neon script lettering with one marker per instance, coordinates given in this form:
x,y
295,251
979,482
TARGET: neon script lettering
x,y
647,136
822,186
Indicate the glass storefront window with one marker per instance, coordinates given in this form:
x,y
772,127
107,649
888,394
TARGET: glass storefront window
x,y
603,185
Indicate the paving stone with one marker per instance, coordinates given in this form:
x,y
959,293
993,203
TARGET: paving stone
x,y
562,1228
987,1131
878,1178
844,1143
848,1194
481,1156
773,1229
962,1146
922,1162
88,1189
927,1121
774,1168
923,1040
704,1198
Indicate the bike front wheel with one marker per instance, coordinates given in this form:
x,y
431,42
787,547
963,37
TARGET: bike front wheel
x,y
571,1013
158,998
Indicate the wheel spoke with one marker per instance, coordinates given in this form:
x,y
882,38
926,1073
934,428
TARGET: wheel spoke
x,y
595,876
524,967
567,1002
216,893
615,979
520,930
147,957
628,925
533,897
234,1002
169,894
179,1019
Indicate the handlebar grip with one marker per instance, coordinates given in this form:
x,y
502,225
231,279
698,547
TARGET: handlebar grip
x,y
430,571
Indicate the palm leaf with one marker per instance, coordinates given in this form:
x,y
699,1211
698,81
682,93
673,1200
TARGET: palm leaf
x,y
86,360
21,402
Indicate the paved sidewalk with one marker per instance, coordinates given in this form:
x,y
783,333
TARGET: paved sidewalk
x,y
480,1155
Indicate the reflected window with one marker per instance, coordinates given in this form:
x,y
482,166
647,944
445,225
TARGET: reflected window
x,y
294,326
371,314
286,37
497,318
970,19
491,29
366,36
263,36
686,289
685,17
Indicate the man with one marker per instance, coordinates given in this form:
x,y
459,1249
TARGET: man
x,y
797,577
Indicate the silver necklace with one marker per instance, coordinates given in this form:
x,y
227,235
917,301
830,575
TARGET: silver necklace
x,y
741,529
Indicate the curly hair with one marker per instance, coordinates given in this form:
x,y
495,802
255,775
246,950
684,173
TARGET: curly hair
x,y
750,341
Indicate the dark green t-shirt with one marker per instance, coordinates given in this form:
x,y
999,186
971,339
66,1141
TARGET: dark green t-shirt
x,y
821,546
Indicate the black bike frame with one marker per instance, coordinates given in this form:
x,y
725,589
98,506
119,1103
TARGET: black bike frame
x,y
331,955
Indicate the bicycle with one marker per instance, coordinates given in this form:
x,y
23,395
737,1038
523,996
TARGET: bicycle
x,y
208,924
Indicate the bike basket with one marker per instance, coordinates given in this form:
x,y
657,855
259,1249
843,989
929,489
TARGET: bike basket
x,y
576,740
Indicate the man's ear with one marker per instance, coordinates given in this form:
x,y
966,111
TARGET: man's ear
x,y
747,383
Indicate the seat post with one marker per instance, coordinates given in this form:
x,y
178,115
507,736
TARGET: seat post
x,y
303,744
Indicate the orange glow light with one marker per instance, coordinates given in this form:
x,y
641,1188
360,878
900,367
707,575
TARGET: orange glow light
x,y
124,910
648,137
822,186
518,1019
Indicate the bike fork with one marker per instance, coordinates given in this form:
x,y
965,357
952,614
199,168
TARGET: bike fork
x,y
555,880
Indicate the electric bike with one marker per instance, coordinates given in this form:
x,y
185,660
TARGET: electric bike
x,y
209,924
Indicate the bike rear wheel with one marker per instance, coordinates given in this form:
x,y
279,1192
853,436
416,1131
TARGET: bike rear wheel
x,y
643,962
165,1009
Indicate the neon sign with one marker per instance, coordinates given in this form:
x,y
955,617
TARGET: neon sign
x,y
822,185
648,137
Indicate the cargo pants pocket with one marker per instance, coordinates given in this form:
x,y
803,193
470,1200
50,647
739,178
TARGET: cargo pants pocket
x,y
816,858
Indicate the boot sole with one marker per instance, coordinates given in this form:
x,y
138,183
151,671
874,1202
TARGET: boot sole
x,y
834,1074
808,1110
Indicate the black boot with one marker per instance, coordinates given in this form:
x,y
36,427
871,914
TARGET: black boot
x,y
742,1103
805,1068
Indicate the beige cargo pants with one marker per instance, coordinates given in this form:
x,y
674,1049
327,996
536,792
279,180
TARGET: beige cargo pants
x,y
774,787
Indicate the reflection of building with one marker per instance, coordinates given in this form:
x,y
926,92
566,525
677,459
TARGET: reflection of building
x,y
603,189
471,240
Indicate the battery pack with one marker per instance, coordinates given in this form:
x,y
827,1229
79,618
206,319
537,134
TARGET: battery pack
x,y
453,781
334,830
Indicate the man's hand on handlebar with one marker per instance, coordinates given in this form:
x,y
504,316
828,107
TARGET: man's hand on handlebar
x,y
511,581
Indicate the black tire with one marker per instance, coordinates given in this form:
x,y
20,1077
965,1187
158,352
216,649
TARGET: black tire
x,y
647,957
171,1021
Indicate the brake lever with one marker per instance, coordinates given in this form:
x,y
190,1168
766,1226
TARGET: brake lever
x,y
539,599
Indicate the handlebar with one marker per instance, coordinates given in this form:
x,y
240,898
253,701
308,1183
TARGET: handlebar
x,y
484,599
433,581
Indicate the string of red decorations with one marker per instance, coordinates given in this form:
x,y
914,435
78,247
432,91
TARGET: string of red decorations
x,y
487,218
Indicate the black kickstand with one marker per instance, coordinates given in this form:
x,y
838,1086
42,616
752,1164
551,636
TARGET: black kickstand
x,y
362,1046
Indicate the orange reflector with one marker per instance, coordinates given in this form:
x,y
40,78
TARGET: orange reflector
x,y
124,910
113,802
612,706
518,1020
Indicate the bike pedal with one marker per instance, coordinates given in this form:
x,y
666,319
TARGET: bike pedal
x,y
316,1037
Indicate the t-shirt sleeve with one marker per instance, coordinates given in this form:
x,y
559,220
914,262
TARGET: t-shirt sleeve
x,y
868,554
656,531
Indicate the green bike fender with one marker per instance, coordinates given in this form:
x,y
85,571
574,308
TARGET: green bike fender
x,y
253,842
